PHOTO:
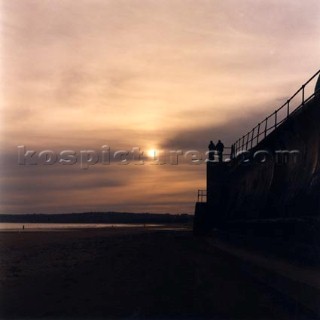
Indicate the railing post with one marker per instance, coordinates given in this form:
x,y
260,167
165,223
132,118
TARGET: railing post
x,y
248,135
302,94
266,127
258,132
252,138
275,118
288,108
243,142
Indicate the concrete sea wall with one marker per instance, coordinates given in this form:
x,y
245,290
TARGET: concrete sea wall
x,y
285,188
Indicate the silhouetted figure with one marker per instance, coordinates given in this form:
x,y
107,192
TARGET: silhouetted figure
x,y
220,148
211,147
23,227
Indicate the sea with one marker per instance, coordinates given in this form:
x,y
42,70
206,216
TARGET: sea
x,y
5,227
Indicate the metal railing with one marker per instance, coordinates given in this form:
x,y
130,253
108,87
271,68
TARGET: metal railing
x,y
226,155
202,195
270,123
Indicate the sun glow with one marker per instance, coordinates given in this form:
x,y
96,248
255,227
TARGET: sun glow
x,y
152,153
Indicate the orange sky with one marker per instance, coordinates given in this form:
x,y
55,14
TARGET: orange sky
x,y
168,74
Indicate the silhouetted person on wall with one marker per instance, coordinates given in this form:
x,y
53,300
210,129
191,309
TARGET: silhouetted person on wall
x,y
220,148
211,147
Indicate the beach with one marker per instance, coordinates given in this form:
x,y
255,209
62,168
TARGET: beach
x,y
161,273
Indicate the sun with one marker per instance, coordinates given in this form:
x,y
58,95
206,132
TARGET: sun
x,y
152,153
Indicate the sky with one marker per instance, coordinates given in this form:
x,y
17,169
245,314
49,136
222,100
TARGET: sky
x,y
155,75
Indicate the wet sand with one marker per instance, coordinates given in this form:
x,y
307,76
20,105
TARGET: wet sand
x,y
129,273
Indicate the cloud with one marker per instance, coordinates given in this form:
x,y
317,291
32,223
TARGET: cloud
x,y
198,137
154,74
54,188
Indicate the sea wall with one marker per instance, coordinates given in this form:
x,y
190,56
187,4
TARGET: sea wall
x,y
284,187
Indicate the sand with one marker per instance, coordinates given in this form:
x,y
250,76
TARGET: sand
x,y
128,273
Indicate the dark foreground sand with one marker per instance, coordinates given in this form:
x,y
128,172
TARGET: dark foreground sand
x,y
129,273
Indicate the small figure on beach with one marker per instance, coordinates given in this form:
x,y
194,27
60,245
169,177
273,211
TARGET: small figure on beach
x,y
211,148
220,148
22,227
